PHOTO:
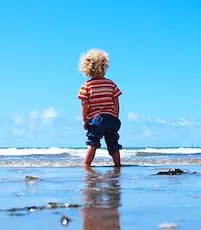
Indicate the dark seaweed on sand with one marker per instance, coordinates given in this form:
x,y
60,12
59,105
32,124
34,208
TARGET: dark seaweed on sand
x,y
29,209
174,172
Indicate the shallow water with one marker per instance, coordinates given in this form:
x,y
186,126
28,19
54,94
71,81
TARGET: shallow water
x,y
66,157
129,198
62,160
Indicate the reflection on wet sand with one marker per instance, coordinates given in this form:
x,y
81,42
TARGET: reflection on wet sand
x,y
102,200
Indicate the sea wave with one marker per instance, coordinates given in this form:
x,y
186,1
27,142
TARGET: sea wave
x,y
63,163
73,152
32,151
168,151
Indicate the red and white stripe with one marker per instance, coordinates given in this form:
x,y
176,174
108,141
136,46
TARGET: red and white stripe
x,y
100,95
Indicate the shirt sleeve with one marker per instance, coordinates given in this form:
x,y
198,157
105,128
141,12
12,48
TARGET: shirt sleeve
x,y
83,93
116,91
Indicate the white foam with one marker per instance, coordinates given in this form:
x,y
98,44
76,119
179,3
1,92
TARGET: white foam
x,y
32,151
180,150
100,152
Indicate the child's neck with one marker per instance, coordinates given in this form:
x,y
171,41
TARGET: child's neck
x,y
97,77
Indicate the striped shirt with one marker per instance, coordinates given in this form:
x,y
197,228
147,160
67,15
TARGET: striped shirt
x,y
100,94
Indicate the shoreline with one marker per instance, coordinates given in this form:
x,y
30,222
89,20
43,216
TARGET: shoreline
x,y
125,198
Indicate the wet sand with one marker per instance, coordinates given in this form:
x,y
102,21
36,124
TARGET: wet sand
x,y
104,198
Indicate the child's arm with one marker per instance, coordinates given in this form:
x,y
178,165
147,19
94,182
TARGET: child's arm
x,y
116,104
84,111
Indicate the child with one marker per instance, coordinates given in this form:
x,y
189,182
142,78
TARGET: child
x,y
100,106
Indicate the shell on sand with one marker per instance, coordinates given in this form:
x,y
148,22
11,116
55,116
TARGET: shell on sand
x,y
168,226
31,178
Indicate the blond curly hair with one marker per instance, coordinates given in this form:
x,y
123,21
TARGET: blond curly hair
x,y
94,63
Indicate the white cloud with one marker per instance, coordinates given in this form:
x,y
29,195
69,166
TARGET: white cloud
x,y
36,129
34,115
46,116
138,118
32,127
18,119
159,120
151,120
17,132
182,121
133,116
146,133
49,114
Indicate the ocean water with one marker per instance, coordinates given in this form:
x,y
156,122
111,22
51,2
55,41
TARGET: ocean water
x,y
132,197
68,157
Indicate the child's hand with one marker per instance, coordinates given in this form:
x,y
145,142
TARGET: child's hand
x,y
85,125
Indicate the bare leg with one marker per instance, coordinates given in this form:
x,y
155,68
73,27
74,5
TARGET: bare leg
x,y
91,150
117,159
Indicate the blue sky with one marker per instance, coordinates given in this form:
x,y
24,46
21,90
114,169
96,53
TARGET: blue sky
x,y
155,52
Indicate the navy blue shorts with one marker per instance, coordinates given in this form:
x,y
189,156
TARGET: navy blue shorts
x,y
106,126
